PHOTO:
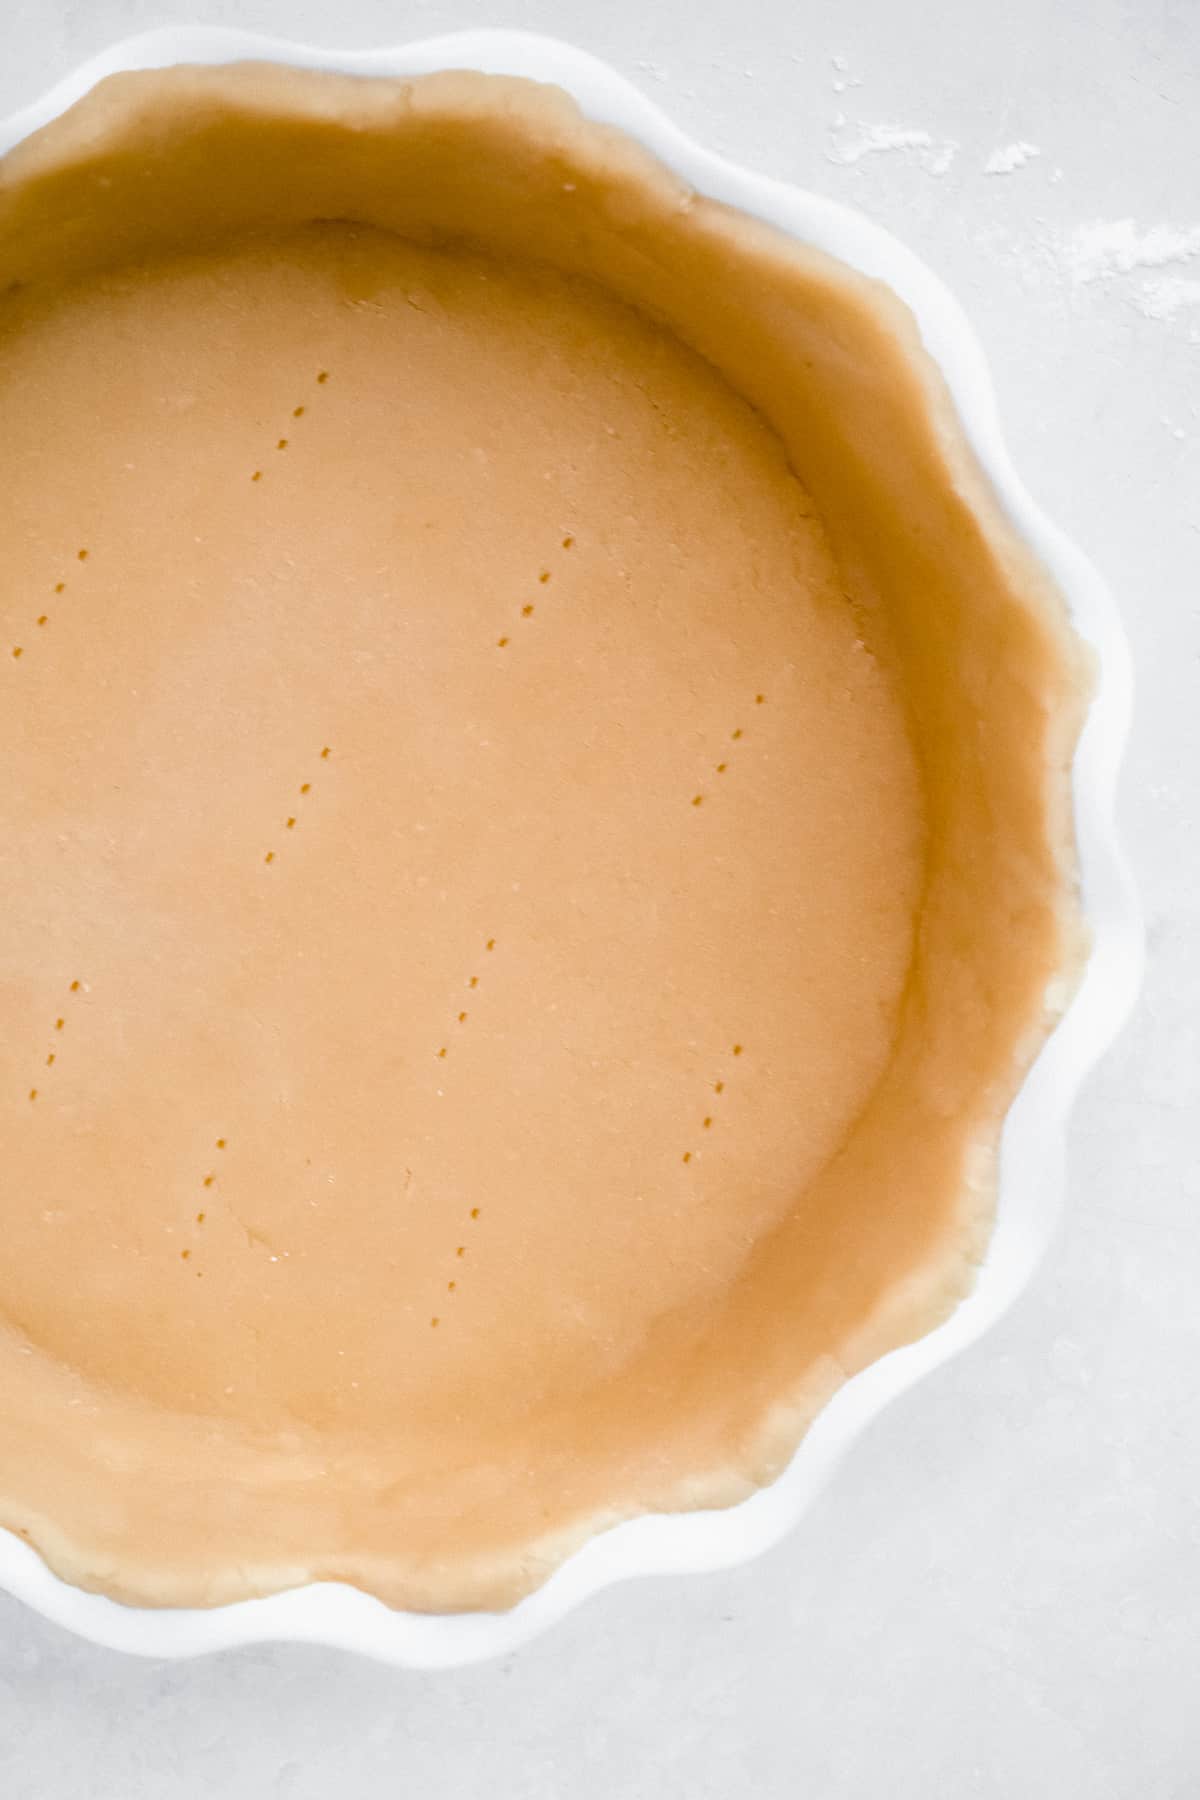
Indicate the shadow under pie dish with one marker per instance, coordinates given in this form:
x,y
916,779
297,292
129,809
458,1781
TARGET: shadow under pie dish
x,y
537,836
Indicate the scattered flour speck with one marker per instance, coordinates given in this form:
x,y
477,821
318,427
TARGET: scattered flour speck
x,y
934,154
1165,295
1142,266
840,80
1105,248
1011,156
940,158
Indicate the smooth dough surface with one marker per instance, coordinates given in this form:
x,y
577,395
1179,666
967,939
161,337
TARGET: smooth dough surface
x,y
507,965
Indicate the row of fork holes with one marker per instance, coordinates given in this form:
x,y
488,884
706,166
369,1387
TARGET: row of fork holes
x,y
528,609
59,1026
298,412
461,1018
43,619
304,790
718,1088
60,587
207,1181
735,737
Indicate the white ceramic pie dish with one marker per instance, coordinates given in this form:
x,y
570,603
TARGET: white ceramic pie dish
x,y
1031,1167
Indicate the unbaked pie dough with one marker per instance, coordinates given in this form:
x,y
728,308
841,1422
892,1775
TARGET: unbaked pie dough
x,y
533,833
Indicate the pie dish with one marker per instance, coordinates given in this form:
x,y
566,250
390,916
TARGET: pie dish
x,y
543,836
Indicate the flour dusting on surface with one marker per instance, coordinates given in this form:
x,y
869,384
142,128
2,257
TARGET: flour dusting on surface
x,y
1165,295
934,154
1009,157
873,138
940,158
1104,248
840,79
1154,269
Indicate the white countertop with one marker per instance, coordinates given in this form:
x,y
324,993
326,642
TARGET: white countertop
x,y
999,1594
